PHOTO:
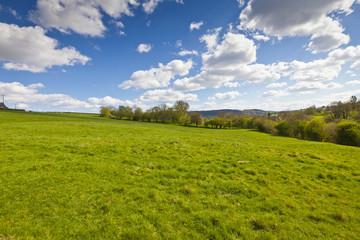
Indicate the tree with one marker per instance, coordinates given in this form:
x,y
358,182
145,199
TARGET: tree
x,y
196,118
184,119
353,101
129,113
137,114
104,112
155,113
164,113
181,106
121,112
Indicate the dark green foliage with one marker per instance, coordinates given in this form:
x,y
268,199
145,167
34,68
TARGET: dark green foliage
x,y
283,128
349,133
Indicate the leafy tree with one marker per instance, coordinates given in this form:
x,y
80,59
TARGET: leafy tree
x,y
129,113
184,119
138,113
196,118
155,113
105,112
311,110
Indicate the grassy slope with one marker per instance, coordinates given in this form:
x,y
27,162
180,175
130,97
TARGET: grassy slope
x,y
66,176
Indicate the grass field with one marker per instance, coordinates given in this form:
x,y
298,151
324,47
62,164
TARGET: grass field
x,y
74,176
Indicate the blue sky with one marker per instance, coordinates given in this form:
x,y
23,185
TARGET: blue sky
x,y
77,55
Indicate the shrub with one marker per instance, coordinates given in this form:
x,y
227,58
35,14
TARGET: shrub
x,y
315,130
331,133
299,128
349,133
283,128
266,126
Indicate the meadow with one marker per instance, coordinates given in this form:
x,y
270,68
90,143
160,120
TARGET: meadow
x,y
78,176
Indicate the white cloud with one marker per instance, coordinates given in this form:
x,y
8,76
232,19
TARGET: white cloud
x,y
71,103
299,18
109,101
356,65
119,24
23,96
144,48
260,37
241,2
16,92
178,44
211,39
302,88
166,96
231,84
84,17
150,5
232,59
306,102
353,82
196,25
225,96
277,85
158,77
29,49
235,50
322,69
187,52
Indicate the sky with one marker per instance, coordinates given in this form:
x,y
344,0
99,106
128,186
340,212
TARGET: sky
x,y
78,55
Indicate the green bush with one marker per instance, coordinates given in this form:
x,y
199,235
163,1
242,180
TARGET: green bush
x,y
266,126
349,133
315,130
331,132
299,128
283,128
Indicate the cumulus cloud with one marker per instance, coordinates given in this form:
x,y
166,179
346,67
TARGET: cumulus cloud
x,y
144,48
158,77
260,37
319,70
109,101
18,93
211,38
187,52
302,88
84,17
299,18
235,50
232,59
276,85
225,96
166,96
23,96
150,5
196,25
353,82
231,84
29,49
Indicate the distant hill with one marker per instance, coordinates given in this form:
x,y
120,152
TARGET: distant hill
x,y
213,113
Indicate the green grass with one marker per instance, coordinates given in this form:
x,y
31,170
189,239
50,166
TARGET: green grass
x,y
77,176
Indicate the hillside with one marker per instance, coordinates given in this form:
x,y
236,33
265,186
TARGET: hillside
x,y
78,176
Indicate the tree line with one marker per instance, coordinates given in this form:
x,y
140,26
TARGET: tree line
x,y
338,122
